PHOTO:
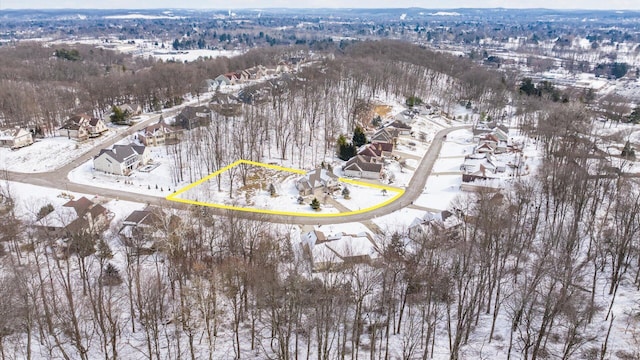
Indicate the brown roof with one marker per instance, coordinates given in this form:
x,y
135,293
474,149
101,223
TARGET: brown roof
x,y
141,217
94,121
362,163
370,150
81,206
77,226
97,210
160,127
383,146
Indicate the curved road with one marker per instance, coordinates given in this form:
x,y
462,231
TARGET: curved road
x,y
58,179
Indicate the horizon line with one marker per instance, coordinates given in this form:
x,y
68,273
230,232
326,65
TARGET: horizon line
x,y
253,8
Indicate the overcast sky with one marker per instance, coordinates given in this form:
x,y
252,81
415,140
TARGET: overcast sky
x,y
236,4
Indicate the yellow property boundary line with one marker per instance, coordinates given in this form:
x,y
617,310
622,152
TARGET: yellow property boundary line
x,y
174,196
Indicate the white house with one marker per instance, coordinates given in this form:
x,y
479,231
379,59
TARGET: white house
x,y
121,159
15,138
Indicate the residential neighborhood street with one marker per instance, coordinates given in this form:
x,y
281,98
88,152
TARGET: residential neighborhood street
x,y
59,179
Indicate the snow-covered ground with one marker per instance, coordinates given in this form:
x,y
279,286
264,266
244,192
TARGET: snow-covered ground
x,y
50,153
398,221
439,191
156,183
151,48
30,198
189,55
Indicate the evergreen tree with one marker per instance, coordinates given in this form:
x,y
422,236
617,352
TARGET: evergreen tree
x,y
272,190
413,101
347,151
110,276
315,204
346,193
359,137
119,117
628,151
635,115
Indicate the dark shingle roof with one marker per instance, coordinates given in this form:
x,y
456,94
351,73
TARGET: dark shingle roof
x,y
81,206
121,152
363,163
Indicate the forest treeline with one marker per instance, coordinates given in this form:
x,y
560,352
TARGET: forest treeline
x,y
40,87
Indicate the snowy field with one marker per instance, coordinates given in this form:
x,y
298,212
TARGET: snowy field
x,y
189,55
151,48
448,165
439,191
50,153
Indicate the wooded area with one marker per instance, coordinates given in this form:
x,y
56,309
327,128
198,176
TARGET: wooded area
x,y
539,264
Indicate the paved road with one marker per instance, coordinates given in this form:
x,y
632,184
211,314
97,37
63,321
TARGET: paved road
x,y
58,179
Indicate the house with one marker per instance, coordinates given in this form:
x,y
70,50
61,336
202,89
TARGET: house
x,y
131,109
96,127
371,151
192,117
318,179
222,80
385,148
498,166
142,228
362,167
15,138
209,85
404,117
236,77
158,134
386,134
256,72
443,222
376,150
75,218
328,252
485,148
75,130
283,67
82,126
401,127
91,217
121,159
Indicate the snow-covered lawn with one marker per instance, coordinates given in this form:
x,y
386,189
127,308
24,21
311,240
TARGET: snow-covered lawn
x,y
156,183
363,197
439,191
451,148
398,221
400,175
412,147
255,194
448,165
50,153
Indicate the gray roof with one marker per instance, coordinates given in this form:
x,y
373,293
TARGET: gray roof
x,y
121,152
